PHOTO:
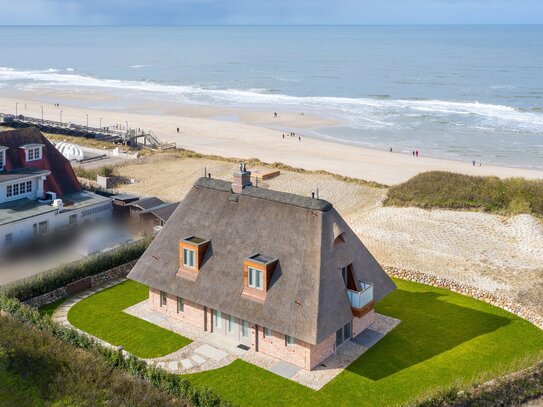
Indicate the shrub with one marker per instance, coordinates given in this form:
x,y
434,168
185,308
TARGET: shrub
x,y
515,389
68,376
68,273
168,383
92,173
438,189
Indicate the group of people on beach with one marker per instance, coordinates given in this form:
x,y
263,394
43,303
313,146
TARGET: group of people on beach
x,y
292,134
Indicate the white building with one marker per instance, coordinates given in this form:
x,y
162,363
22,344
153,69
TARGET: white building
x,y
39,193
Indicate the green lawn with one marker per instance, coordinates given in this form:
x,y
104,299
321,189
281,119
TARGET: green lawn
x,y
101,315
444,340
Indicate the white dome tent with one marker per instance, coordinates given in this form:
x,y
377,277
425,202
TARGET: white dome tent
x,y
70,151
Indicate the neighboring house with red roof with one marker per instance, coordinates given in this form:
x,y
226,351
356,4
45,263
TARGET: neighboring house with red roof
x,y
39,192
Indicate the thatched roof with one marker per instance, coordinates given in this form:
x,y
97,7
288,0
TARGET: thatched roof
x,y
307,297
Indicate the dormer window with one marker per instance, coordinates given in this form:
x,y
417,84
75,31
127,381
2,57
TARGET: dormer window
x,y
33,152
257,274
192,250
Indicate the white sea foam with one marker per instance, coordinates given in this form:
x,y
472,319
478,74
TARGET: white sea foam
x,y
361,113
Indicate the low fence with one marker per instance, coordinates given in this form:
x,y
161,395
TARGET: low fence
x,y
81,285
466,289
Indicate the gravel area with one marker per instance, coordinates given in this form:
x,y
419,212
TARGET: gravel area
x,y
344,356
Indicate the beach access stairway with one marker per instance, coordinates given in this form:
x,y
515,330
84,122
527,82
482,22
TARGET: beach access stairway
x,y
110,133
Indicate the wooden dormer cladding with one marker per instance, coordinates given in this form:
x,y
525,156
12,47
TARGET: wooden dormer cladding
x,y
257,283
191,256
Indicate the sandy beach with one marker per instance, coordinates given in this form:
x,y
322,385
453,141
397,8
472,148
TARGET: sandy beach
x,y
230,132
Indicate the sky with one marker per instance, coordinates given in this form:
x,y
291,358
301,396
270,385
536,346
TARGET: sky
x,y
268,12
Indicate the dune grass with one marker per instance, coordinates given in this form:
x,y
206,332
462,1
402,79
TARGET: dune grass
x,y
438,189
444,340
102,315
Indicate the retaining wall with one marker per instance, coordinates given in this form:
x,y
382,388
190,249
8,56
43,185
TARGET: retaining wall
x,y
81,285
466,289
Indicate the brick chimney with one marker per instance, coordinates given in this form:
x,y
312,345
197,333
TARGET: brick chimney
x,y
241,179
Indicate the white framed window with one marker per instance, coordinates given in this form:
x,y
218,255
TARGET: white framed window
x,y
33,153
19,189
289,340
180,305
163,298
188,258
217,317
267,332
255,278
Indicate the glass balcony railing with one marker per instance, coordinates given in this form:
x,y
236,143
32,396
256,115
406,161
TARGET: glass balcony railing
x,y
359,299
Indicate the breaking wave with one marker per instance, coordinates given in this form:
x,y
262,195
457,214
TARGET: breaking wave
x,y
360,113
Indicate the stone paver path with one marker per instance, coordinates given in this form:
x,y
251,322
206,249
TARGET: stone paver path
x,y
284,369
368,338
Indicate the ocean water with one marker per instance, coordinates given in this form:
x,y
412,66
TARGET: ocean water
x,y
459,92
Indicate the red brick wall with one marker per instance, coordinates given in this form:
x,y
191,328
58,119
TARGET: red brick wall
x,y
298,354
322,350
301,354
359,324
193,313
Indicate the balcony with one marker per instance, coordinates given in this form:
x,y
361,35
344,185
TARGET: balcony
x,y
361,301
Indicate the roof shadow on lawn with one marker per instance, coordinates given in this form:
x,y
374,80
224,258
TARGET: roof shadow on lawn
x,y
429,326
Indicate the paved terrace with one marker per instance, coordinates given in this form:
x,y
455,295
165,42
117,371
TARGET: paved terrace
x,y
211,351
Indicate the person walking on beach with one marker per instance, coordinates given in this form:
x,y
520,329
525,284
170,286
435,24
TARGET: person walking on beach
x,y
275,114
413,153
473,163
390,150
299,138
417,153
283,136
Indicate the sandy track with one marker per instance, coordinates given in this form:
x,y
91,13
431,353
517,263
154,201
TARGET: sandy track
x,y
494,253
